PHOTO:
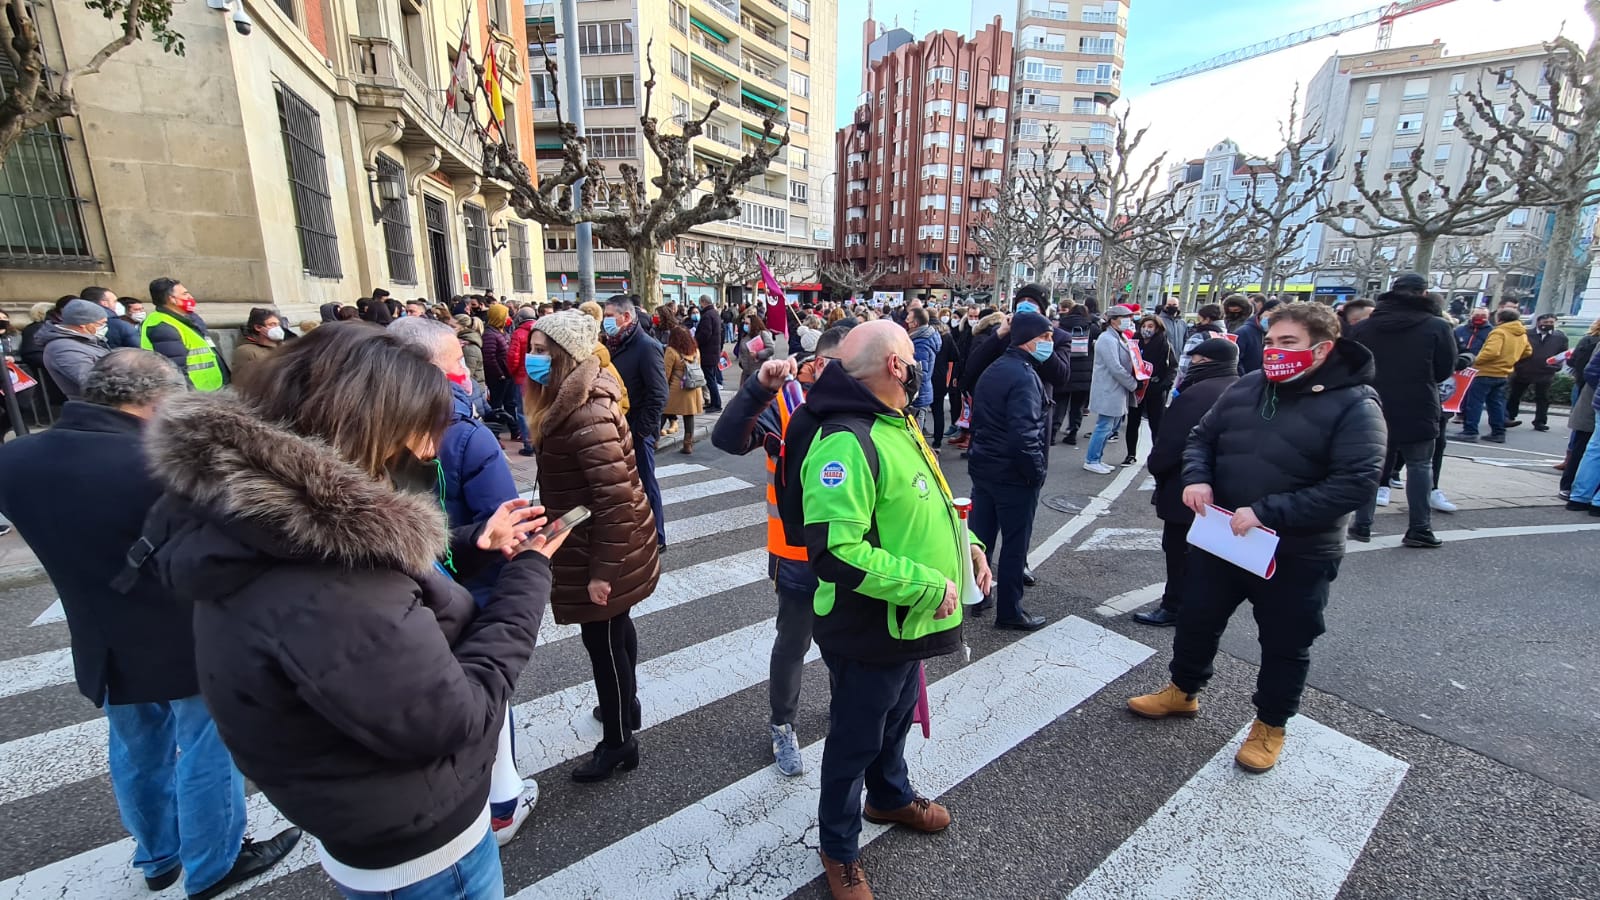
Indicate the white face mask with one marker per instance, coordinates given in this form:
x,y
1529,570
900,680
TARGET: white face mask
x,y
275,333
102,330
121,310
138,316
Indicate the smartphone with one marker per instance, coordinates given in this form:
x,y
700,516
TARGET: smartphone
x,y
575,517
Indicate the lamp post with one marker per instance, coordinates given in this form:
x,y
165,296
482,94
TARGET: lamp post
x,y
1177,230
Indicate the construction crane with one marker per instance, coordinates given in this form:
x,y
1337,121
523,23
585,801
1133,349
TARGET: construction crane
x,y
1384,16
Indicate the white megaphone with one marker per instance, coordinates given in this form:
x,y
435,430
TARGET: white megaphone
x,y
970,594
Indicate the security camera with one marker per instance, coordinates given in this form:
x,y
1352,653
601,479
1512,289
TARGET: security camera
x,y
241,21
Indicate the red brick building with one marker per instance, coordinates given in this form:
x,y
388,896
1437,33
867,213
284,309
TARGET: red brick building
x,y
924,153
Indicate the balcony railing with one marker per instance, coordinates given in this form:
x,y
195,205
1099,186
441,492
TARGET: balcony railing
x,y
1101,17
1060,15
379,64
1045,44
799,54
768,75
723,92
728,9
721,137
770,37
702,42
1097,46
767,192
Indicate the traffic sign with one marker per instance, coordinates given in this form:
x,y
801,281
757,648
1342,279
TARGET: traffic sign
x,y
563,281
624,285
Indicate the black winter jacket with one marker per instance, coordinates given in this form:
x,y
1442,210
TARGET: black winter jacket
x,y
1082,374
1534,369
708,336
985,349
138,646
1010,423
638,359
1252,341
1303,454
1413,349
356,684
944,378
1204,384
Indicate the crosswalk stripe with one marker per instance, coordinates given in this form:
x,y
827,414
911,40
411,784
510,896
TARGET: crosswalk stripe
x,y
757,837
682,531
30,673
1096,507
680,586
701,489
1293,832
52,613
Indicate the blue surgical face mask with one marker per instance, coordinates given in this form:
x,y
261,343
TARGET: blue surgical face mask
x,y
609,323
1263,321
538,367
1027,306
1042,350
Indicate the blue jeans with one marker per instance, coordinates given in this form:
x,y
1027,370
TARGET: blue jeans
x,y
180,795
476,876
1102,431
1586,486
644,453
514,408
869,717
1485,392
1005,511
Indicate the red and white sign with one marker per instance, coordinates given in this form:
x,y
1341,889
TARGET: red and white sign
x,y
1458,391
20,380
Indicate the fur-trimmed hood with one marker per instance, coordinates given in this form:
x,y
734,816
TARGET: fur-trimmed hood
x,y
214,451
989,323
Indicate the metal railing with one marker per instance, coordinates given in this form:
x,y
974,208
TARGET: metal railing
x,y
1057,14
1101,17
728,9
721,50
1045,44
377,62
771,38
769,76
799,54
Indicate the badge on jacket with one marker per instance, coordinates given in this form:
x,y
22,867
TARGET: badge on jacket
x,y
833,474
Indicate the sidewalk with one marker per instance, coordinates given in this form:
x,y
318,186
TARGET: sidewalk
x,y
1478,485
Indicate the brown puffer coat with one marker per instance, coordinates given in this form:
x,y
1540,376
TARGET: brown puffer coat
x,y
586,458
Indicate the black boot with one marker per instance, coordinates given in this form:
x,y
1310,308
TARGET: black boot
x,y
633,720
1027,577
1160,617
606,760
1071,439
253,859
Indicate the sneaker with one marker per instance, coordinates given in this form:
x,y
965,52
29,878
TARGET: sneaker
x,y
786,750
1421,538
1114,436
1261,748
1383,496
1396,483
1564,495
5,530
505,829
1576,505
1495,438
253,859
1462,437
165,880
1099,468
1129,460
1541,428
1438,501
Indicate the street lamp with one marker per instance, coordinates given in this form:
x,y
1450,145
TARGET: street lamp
x,y
1177,230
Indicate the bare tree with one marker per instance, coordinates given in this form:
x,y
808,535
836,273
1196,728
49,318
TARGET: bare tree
x,y
630,213
1117,204
1521,257
719,265
1284,200
1456,260
1000,234
29,99
1229,229
1551,136
964,284
1037,204
1369,261
846,277
788,265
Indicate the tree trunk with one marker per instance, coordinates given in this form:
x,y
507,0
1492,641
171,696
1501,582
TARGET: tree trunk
x,y
644,275
1558,262
1186,282
1424,260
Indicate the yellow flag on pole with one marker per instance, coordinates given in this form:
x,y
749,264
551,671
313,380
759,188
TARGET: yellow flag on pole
x,y
491,87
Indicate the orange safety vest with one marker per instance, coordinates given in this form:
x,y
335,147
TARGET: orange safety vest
x,y
777,542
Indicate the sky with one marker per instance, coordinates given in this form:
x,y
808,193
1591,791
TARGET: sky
x,y
1248,100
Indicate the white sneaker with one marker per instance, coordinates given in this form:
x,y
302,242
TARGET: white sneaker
x,y
505,831
1383,496
1440,502
1099,468
1396,483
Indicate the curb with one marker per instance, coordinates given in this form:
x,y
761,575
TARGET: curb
x,y
23,575
702,435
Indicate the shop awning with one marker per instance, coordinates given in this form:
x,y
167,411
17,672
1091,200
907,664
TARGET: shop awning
x,y
708,29
752,95
771,139
712,66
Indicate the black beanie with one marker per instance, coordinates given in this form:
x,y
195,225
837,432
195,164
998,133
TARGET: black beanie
x,y
1217,348
1025,326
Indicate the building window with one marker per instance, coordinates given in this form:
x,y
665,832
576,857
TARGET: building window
x,y
955,238
678,15
40,222
1517,219
763,217
935,170
1410,123
932,201
1447,122
799,192
397,226
801,10
603,38
937,108
936,139
1400,158
961,111
930,262
680,108
521,261
958,174
543,87
604,91
1374,93
963,80
477,245
1000,83
941,75
1416,89
1504,78
1367,124
1208,206
308,181
1441,155
1457,83
800,84
560,241
799,157
613,143
680,63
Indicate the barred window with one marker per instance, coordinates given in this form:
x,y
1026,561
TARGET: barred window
x,y
308,180
521,262
613,143
397,227
477,246
41,225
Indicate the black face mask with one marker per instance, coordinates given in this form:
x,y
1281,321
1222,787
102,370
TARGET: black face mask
x,y
912,383
1172,312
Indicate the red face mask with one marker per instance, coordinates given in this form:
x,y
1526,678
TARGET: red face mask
x,y
460,380
1287,365
186,304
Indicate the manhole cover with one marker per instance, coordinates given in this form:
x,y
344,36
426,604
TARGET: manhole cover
x,y
1064,504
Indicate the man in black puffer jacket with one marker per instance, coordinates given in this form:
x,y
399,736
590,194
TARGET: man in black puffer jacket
x,y
1081,331
1295,448
1413,349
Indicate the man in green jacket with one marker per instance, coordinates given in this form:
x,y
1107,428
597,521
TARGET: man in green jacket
x,y
887,546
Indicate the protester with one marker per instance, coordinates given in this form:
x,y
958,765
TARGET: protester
x,y
1580,421
133,648
516,352
1471,335
754,419
1354,312
123,317
946,389
601,351
1504,348
685,379
263,335
1296,448
639,362
1413,351
496,365
469,332
884,552
586,458
1237,311
1082,332
1536,372
1157,351
1009,458
1585,492
753,334
1208,325
1174,327
1251,337
174,330
707,326
925,347
73,345
1213,368
1112,386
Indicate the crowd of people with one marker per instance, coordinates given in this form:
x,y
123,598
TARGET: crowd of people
x,y
319,574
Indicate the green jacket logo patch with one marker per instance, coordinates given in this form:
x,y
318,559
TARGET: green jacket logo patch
x,y
833,474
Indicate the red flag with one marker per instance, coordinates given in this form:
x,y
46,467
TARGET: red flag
x,y
777,315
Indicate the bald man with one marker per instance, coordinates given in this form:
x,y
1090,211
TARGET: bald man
x,y
865,494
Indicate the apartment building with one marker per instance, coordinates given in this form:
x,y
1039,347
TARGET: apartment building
x,y
310,161
1386,103
923,155
757,59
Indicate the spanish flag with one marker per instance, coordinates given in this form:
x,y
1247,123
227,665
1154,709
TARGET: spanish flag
x,y
491,87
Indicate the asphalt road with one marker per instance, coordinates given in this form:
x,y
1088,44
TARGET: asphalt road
x,y
1447,746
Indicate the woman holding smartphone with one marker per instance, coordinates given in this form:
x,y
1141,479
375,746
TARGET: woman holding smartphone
x,y
352,679
610,562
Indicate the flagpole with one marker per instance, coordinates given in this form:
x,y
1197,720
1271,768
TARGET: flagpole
x,y
461,47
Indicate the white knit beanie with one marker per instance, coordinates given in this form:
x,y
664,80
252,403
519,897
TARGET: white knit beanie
x,y
575,331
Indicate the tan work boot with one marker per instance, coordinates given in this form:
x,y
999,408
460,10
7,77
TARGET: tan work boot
x,y
1261,747
1169,701
847,881
920,814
